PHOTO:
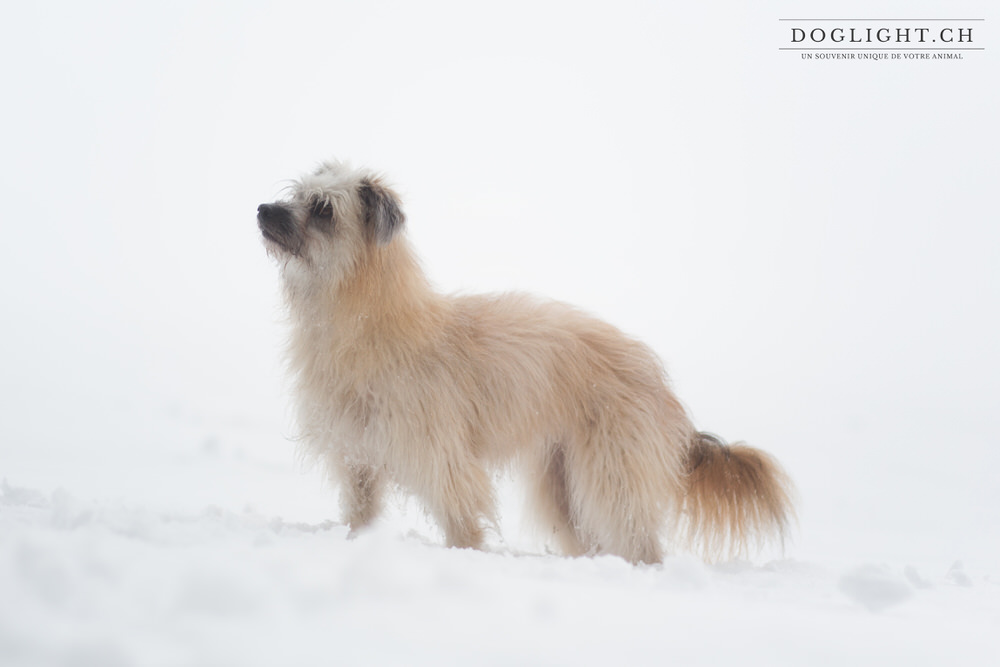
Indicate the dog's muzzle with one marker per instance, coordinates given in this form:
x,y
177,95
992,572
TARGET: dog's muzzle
x,y
276,224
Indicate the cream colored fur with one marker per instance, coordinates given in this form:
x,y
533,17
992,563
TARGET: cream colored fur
x,y
397,384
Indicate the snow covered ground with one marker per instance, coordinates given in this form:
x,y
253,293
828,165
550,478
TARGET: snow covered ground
x,y
108,583
811,246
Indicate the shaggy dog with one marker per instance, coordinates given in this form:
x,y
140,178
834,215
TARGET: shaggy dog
x,y
397,384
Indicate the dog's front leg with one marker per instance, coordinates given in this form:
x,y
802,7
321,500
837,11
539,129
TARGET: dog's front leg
x,y
462,501
361,494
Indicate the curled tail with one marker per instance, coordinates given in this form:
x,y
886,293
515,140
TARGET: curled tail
x,y
737,499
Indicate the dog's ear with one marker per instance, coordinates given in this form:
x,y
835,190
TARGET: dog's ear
x,y
383,215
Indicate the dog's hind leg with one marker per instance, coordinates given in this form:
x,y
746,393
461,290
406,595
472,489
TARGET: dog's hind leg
x,y
551,501
616,497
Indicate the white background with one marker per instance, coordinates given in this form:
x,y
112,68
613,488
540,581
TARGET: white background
x,y
810,246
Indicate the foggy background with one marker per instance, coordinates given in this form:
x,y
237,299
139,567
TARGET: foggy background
x,y
810,246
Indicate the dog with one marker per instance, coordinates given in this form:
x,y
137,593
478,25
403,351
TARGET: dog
x,y
396,384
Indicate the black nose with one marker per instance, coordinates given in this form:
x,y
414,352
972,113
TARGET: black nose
x,y
264,210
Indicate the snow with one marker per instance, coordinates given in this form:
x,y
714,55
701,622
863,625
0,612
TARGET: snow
x,y
876,587
108,583
812,248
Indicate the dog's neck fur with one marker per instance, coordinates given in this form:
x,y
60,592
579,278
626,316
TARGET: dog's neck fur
x,y
384,306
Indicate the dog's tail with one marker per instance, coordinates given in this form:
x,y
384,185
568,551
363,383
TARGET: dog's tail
x,y
737,499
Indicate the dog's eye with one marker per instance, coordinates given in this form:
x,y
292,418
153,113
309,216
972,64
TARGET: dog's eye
x,y
321,209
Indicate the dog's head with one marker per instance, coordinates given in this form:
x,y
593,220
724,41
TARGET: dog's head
x,y
330,218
